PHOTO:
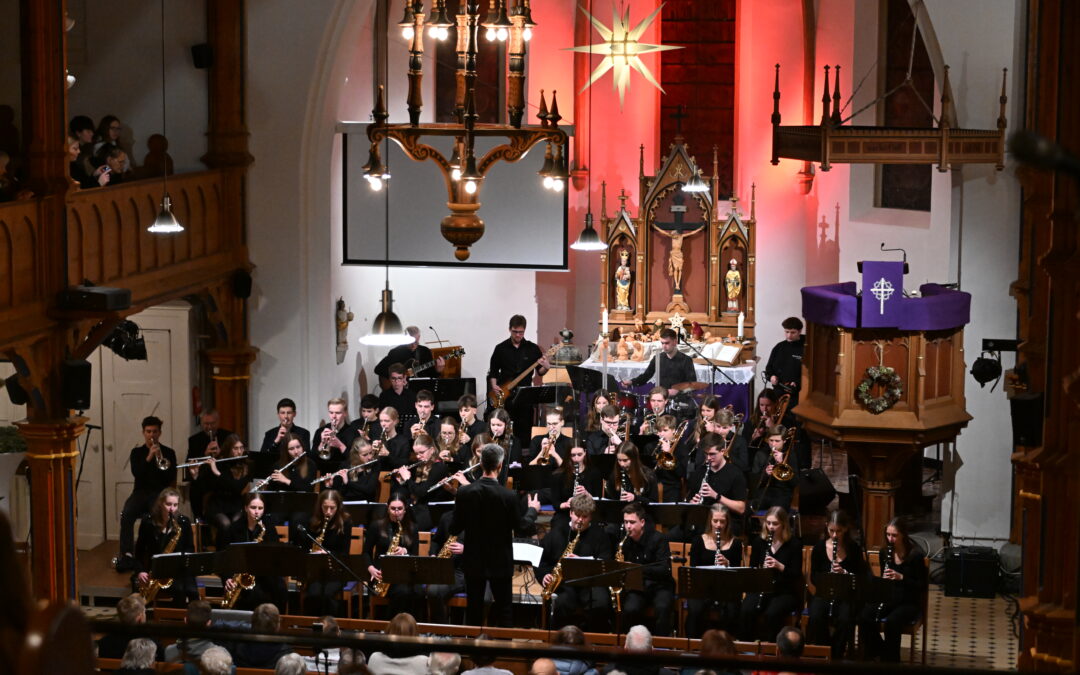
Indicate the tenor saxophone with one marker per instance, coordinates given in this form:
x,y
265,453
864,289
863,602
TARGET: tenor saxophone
x,y
445,551
316,546
556,572
616,591
381,588
242,581
152,586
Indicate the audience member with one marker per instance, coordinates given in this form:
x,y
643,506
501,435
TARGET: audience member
x,y
15,600
130,611
9,186
138,657
327,659
482,663
789,645
543,667
639,641
444,663
84,175
108,137
265,619
381,664
81,129
571,636
214,661
290,664
190,649
115,159
157,162
718,644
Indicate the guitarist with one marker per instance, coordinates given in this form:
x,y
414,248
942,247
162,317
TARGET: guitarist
x,y
410,355
511,358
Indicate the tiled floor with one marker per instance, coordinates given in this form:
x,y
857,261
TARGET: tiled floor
x,y
970,632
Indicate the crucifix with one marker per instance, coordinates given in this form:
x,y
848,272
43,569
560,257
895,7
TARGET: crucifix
x,y
678,116
677,229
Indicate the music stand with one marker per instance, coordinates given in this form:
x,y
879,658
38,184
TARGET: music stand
x,y
586,573
324,568
532,478
587,380
288,502
438,510
879,591
444,389
276,559
180,565
604,464
726,584
364,513
609,510
671,514
836,586
416,569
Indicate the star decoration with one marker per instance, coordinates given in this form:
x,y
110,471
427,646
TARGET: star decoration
x,y
621,50
677,321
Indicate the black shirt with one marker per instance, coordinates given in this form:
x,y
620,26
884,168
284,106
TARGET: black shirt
x,y
785,361
508,361
196,443
148,477
728,482
789,554
673,370
703,557
268,444
594,542
408,357
404,403
653,552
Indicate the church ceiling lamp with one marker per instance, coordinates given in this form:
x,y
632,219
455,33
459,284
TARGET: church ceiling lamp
x,y
464,171
165,222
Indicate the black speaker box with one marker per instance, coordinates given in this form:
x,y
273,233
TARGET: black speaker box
x,y
75,384
95,298
202,55
1027,419
241,284
971,572
816,492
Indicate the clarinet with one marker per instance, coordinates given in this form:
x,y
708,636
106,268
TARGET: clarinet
x,y
886,564
718,560
832,601
768,552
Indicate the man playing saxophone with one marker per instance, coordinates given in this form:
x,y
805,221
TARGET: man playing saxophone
x,y
588,606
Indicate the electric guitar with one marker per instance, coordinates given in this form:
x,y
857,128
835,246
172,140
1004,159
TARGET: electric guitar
x,y
384,382
497,397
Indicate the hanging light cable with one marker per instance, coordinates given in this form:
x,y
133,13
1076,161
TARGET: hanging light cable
x,y
165,222
589,239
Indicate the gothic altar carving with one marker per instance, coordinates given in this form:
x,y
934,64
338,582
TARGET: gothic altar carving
x,y
679,255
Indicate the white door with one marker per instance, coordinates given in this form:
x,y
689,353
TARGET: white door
x,y
132,390
90,490
14,493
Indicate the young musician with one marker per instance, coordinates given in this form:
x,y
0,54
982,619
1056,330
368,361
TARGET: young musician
x,y
502,433
901,561
658,403
610,435
299,472
470,456
332,440
784,367
671,479
600,400
575,477
439,594
593,601
763,417
398,396
448,442
391,447
411,355
630,480
473,426
227,484
511,358
332,531
541,443
770,490
154,467
426,420
762,615
155,534
836,552
358,484
487,516
674,366
247,529
286,414
403,597
367,425
719,481
645,546
414,483
723,423
716,545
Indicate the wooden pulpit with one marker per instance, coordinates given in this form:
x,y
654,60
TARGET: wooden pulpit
x,y
883,377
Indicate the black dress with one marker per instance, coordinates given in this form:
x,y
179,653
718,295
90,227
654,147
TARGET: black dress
x,y
697,608
401,597
226,498
762,616
839,613
362,486
267,589
904,607
152,541
324,596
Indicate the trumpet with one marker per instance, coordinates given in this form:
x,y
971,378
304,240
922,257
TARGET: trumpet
x,y
650,421
324,445
450,478
545,455
330,476
262,483
162,460
421,423
200,461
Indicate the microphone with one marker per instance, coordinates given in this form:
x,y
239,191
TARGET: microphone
x,y
1041,152
432,329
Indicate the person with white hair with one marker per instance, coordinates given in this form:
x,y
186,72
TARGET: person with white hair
x,y
638,641
138,657
215,661
444,663
290,664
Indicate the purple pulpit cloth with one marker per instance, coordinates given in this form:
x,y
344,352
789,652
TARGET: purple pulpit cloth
x,y
939,308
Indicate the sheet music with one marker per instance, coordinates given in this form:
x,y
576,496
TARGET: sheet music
x,y
528,553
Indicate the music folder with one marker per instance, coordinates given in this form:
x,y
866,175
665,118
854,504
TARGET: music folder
x,y
726,584
527,554
671,514
588,572
416,569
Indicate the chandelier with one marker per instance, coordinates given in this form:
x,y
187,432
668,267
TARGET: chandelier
x,y
463,171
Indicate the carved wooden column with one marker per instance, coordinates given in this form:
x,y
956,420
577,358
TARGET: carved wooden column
x,y
44,100
881,465
227,137
52,450
231,373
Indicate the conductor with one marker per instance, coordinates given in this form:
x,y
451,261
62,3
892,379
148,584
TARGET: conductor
x,y
489,514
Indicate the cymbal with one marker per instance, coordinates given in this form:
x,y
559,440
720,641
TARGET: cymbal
x,y
691,386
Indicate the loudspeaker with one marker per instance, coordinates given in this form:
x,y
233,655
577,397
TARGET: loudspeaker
x,y
1027,419
202,55
971,572
94,298
241,284
15,391
75,384
816,491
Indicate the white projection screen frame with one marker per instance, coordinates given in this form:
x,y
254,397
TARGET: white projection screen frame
x,y
525,225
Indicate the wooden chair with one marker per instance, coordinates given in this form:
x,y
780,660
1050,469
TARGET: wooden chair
x,y
680,557
356,547
920,623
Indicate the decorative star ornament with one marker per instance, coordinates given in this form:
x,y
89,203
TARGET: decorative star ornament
x,y
676,322
621,50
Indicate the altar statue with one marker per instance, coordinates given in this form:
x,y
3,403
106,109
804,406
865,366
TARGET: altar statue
x,y
675,256
622,282
733,284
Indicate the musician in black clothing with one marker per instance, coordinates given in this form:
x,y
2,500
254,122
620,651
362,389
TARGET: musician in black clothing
x,y
414,483
410,355
667,428
391,446
591,422
762,616
208,433
332,531
500,428
766,415
427,421
367,424
717,545
723,424
145,461
541,443
402,597
156,531
593,601
645,546
719,480
609,437
769,490
838,553
398,396
674,366
784,368
575,477
439,594
474,426
358,484
511,358
448,443
225,486
630,480
247,529
269,450
293,472
470,456
903,562
486,516
333,439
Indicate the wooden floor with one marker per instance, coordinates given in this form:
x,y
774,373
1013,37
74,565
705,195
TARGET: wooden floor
x,y
98,581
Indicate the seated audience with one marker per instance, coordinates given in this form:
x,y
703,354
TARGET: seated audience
x,y
130,611
85,176
157,162
543,667
108,138
483,663
638,640
9,186
444,663
715,644
571,636
265,619
382,664
138,658
188,650
290,664
789,645
214,661
327,659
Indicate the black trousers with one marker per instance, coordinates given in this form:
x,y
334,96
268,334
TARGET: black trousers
x,y
588,607
764,623
324,597
439,594
502,597
136,506
697,610
636,603
896,618
836,631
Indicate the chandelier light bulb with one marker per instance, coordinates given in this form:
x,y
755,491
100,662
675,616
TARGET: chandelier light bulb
x,y
527,34
549,182
470,187
408,32
502,34
557,184
455,173
375,182
490,34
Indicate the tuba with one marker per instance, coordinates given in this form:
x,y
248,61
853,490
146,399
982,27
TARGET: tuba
x,y
242,581
556,572
383,587
152,586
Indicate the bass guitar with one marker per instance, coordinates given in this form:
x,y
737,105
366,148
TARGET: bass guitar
x,y
384,382
497,397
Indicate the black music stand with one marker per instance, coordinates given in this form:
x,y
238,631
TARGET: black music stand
x,y
364,513
605,464
416,569
535,396
532,478
586,573
438,510
879,591
609,510
288,502
276,559
672,514
181,565
587,380
445,389
725,584
837,586
323,567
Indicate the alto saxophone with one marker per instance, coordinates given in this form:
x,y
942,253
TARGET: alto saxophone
x,y
316,546
616,591
381,588
150,589
242,581
556,572
445,551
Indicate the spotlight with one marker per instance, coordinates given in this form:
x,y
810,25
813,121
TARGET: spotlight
x,y
15,391
986,369
126,342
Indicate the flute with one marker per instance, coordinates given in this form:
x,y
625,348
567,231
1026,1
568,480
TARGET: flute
x,y
262,483
199,461
330,476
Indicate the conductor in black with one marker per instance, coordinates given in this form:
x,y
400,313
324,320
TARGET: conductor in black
x,y
489,515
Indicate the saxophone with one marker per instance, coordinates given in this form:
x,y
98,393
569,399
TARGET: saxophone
x,y
150,589
316,546
383,587
242,581
556,572
616,591
445,551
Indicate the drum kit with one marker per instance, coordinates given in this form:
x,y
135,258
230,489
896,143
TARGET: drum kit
x,y
684,405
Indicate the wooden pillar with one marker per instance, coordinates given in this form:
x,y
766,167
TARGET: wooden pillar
x,y
880,481
44,95
231,373
227,138
52,450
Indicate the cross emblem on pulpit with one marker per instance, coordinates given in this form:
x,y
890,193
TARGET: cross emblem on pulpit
x,y
882,291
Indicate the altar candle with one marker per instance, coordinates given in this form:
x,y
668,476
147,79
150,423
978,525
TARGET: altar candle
x,y
742,317
605,321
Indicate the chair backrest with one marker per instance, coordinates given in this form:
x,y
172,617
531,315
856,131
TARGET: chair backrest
x,y
424,537
356,540
807,555
384,486
680,556
282,533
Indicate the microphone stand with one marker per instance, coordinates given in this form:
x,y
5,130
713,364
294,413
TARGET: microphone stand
x,y
715,368
303,530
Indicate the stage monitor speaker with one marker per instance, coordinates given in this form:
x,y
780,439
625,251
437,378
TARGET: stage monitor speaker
x,y
202,55
971,572
242,284
75,384
94,299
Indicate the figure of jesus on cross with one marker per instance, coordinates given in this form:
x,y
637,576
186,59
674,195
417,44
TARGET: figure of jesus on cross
x,y
677,230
